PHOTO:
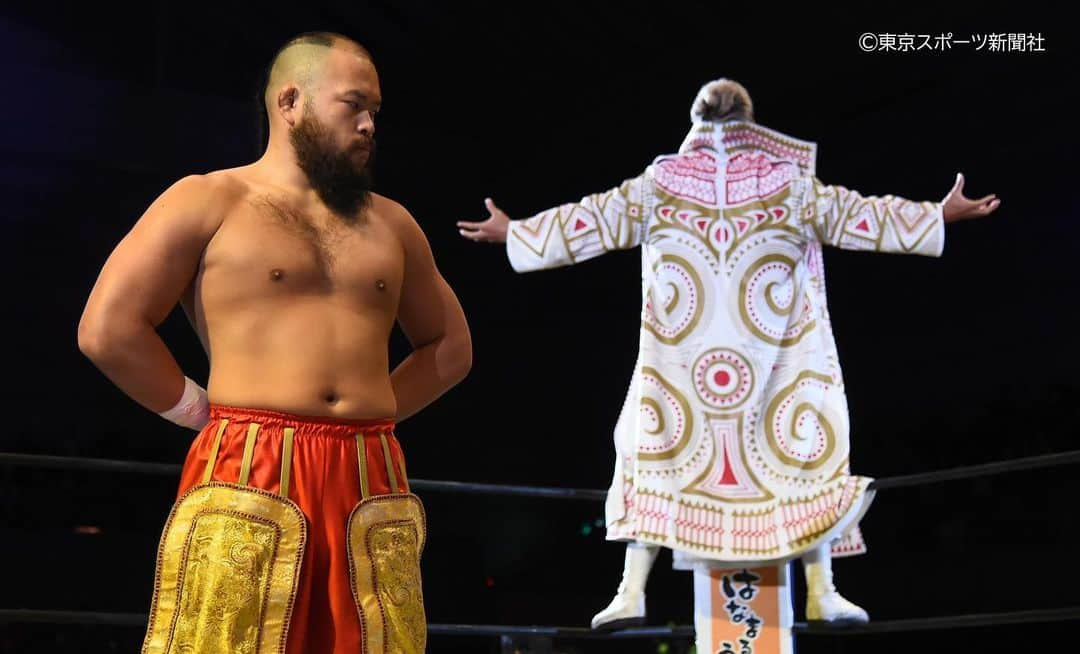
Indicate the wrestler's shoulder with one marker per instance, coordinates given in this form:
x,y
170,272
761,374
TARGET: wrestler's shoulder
x,y
215,191
229,184
388,208
394,213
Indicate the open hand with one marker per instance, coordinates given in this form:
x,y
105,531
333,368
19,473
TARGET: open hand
x,y
492,230
957,207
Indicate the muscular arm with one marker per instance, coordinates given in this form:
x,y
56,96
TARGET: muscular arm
x,y
431,317
141,282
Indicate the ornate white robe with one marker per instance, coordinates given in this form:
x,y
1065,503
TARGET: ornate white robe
x,y
732,446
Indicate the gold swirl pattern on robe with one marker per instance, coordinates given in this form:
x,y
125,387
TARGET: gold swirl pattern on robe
x,y
671,317
768,302
798,432
665,416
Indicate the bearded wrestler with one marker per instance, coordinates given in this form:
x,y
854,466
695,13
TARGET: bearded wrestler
x,y
294,509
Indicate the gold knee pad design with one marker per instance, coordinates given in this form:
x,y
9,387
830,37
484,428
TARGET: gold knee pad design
x,y
227,572
386,537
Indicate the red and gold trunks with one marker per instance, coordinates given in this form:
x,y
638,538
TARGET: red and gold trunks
x,y
290,534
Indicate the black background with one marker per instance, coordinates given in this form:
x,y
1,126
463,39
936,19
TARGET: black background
x,y
964,359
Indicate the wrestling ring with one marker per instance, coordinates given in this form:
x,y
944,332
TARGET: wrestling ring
x,y
548,634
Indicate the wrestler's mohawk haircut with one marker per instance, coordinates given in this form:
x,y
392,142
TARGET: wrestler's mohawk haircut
x,y
325,39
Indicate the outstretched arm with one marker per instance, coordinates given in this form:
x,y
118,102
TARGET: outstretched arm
x,y
838,216
613,220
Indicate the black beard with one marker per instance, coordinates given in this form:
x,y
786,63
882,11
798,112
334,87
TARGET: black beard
x,y
344,187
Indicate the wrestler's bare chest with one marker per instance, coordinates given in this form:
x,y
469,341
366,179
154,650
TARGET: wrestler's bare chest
x,y
268,248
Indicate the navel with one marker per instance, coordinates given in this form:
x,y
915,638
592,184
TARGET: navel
x,y
380,284
277,274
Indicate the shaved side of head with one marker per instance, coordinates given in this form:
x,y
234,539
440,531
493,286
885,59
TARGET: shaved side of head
x,y
300,60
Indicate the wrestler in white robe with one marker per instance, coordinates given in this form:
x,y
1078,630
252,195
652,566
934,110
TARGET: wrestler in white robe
x,y
732,446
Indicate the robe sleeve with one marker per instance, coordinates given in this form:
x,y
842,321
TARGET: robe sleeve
x,y
837,216
613,220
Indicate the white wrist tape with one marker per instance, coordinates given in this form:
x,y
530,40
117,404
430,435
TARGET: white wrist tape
x,y
193,409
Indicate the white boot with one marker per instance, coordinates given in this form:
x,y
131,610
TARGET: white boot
x,y
628,607
823,603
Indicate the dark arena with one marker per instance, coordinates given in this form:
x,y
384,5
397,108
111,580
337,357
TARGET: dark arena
x,y
539,328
